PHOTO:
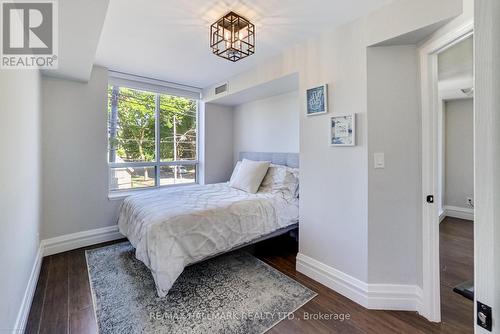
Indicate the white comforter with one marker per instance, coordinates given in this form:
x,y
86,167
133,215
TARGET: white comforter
x,y
172,228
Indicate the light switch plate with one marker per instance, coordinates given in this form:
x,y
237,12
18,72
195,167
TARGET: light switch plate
x,y
379,160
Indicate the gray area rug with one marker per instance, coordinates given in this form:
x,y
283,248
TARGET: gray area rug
x,y
234,293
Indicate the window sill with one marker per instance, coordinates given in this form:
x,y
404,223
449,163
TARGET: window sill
x,y
122,194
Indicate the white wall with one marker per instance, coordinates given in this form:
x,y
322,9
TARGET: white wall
x,y
459,152
333,202
405,16
19,188
394,204
334,181
334,193
217,157
75,170
267,125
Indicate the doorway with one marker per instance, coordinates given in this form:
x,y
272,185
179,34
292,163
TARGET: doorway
x,y
446,79
455,199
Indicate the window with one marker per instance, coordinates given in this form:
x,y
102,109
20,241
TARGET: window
x,y
152,138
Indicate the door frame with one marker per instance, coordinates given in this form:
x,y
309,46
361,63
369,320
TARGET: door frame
x,y
431,298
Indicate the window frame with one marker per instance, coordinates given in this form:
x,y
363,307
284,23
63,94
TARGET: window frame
x,y
158,88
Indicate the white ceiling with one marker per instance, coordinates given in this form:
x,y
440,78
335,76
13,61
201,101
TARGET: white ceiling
x,y
456,70
168,39
457,61
80,24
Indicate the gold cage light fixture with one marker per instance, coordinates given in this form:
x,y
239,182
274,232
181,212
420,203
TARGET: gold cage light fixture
x,y
232,37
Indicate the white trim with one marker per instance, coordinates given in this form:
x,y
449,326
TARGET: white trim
x,y
158,141
372,296
441,124
57,245
118,195
151,164
342,283
487,162
153,85
24,310
72,241
442,215
458,212
431,300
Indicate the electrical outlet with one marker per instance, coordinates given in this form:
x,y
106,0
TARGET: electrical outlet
x,y
470,201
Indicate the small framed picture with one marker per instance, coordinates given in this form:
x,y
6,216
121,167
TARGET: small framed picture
x,y
317,100
343,130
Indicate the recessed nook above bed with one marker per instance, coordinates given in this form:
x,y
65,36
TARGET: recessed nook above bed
x,y
261,118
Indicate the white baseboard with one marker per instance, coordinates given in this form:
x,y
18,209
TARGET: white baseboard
x,y
403,297
458,212
442,215
56,245
24,310
336,280
371,296
72,241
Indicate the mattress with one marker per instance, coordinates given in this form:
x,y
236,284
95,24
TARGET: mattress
x,y
174,227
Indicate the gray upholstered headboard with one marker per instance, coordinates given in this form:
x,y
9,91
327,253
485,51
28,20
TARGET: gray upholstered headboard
x,y
287,159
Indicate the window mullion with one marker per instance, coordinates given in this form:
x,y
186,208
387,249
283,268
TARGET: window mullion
x,y
178,162
197,174
157,139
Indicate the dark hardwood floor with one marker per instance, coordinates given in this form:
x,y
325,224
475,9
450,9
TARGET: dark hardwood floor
x,y
456,243
63,302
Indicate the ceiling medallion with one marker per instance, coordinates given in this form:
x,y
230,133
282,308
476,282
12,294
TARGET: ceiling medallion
x,y
232,37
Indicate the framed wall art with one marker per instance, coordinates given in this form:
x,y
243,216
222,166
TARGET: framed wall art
x,y
343,130
317,100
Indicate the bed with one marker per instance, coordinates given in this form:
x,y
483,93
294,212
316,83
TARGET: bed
x,y
174,227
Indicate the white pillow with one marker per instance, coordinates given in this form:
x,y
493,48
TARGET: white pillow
x,y
250,175
281,178
235,170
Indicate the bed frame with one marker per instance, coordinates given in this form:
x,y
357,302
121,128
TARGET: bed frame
x,y
286,159
289,229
